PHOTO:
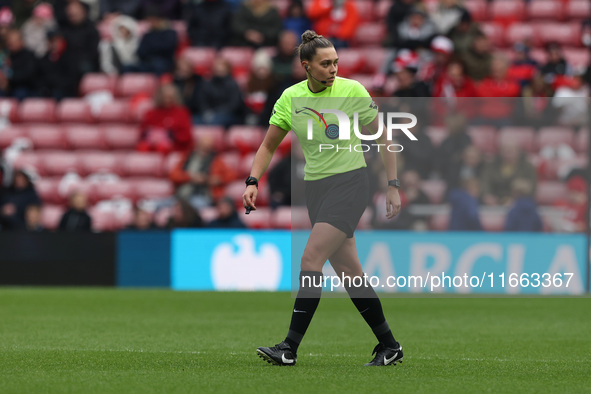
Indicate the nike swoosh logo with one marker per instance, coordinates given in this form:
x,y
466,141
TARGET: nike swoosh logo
x,y
289,361
296,311
297,111
389,360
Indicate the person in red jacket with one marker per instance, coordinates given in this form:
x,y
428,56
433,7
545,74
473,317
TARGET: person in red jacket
x,y
167,126
337,20
498,85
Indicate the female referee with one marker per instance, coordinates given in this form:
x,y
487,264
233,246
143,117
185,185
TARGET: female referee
x,y
336,197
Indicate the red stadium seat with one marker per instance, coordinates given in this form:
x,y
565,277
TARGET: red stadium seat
x,y
519,32
231,159
149,188
180,27
120,136
437,135
51,215
365,9
29,161
259,219
74,111
492,221
539,55
494,31
58,163
550,10
484,138
99,162
577,57
97,82
578,9
208,214
553,136
281,218
114,112
115,189
477,9
373,59
507,11
369,34
11,133
47,188
239,57
132,84
200,58
171,161
247,160
143,164
350,61
37,110
548,192
85,137
47,136
434,189
524,136
217,133
582,140
562,33
139,109
9,109
102,219
381,9
245,138
282,7
234,191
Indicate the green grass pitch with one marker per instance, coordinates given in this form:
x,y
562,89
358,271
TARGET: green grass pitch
x,y
144,341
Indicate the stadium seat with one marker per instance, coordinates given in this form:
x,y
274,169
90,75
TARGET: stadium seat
x,y
260,219
539,55
142,164
11,133
519,32
121,136
440,222
102,220
47,189
51,216
282,7
47,136
138,110
436,135
115,189
230,159
116,111
506,11
548,192
239,57
549,10
9,109
365,80
245,138
382,7
58,163
171,161
577,57
74,111
578,9
217,133
350,61
234,191
247,160
478,9
85,137
180,27
562,33
582,140
524,136
492,221
208,214
40,110
281,218
369,34
97,82
365,9
434,189
484,138
150,188
200,58
29,161
373,59
129,85
494,31
94,162
553,136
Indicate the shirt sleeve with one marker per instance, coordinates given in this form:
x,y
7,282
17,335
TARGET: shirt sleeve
x,y
281,115
365,106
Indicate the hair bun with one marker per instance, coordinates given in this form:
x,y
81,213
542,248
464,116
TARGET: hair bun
x,y
308,36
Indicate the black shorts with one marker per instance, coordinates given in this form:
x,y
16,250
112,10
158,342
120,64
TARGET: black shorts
x,y
339,200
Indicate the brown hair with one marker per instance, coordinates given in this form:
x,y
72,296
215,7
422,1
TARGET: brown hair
x,y
310,42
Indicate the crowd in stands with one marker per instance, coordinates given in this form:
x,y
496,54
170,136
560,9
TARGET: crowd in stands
x,y
221,64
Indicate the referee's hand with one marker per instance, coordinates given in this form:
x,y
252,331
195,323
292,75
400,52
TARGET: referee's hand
x,y
249,197
392,202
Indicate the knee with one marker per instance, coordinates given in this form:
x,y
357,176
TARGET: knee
x,y
310,263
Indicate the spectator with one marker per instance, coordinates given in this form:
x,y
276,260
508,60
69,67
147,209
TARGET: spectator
x,y
570,101
406,67
511,163
6,25
36,28
158,45
16,199
523,214
574,206
189,85
221,98
53,68
280,180
556,65
454,82
167,126
256,23
464,206
537,111
33,218
22,81
448,159
397,13
524,67
418,155
447,15
442,49
167,9
111,8
336,20
227,215
208,23
464,33
119,55
471,166
284,59
201,176
416,31
81,51
184,216
260,83
478,57
76,219
142,220
22,9
296,20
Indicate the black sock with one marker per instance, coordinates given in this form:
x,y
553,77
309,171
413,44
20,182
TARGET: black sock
x,y
304,307
368,304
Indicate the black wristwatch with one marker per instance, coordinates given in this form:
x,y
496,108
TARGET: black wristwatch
x,y
252,181
395,183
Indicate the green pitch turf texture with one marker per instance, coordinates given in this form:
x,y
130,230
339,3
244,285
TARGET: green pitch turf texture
x,y
143,341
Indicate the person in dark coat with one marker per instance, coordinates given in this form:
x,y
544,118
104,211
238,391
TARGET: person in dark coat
x,y
207,23
448,160
126,7
23,66
53,69
168,9
15,200
157,46
228,217
76,219
523,215
256,23
189,85
464,207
